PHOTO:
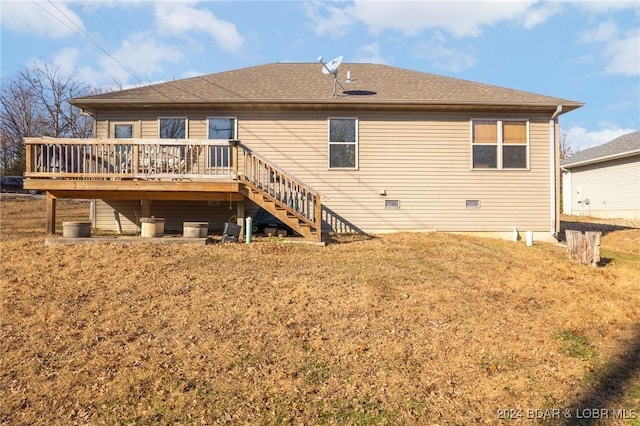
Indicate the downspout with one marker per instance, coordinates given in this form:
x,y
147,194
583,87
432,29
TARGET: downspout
x,y
553,215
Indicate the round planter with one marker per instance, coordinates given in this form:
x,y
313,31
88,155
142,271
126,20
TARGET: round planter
x,y
195,229
76,229
151,227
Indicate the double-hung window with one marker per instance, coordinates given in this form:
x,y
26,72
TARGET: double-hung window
x,y
343,143
223,128
500,144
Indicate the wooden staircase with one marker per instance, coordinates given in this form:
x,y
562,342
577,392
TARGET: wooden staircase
x,y
287,198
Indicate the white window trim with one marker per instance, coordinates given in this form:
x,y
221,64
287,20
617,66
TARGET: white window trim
x,y
499,144
186,124
228,117
329,143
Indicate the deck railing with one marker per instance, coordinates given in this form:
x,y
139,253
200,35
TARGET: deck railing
x,y
128,158
175,159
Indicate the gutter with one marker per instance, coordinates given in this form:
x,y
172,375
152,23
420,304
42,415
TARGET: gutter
x,y
340,102
553,214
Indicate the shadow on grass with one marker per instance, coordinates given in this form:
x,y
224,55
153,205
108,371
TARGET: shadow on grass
x,y
338,230
347,238
611,384
588,226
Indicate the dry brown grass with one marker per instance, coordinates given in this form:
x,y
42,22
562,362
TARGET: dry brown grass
x,y
399,329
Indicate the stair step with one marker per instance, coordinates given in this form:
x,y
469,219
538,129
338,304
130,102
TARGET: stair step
x,y
282,211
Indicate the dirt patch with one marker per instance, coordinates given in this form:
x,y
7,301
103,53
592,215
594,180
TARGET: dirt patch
x,y
396,329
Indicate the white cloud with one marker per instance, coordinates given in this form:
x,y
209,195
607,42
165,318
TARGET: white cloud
x,y
619,53
64,61
623,54
48,20
412,17
602,33
335,24
579,138
140,55
606,6
370,53
443,57
182,18
539,14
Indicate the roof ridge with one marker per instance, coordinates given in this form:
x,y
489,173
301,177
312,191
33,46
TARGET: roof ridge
x,y
623,144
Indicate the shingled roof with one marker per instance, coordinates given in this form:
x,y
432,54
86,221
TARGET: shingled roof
x,y
303,85
623,146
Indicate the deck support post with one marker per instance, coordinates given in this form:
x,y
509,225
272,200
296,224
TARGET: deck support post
x,y
146,208
240,216
51,213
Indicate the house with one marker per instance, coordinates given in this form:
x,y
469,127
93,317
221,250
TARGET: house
x,y
604,181
370,148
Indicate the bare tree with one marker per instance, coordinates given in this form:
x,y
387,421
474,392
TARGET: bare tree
x,y
36,103
566,151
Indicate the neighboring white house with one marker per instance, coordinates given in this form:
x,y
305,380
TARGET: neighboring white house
x,y
604,181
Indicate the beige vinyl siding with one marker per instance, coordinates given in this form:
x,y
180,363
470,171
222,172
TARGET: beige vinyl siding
x,y
129,214
612,188
102,128
196,126
421,159
175,213
148,122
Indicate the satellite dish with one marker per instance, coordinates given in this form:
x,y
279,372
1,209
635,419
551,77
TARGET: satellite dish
x,y
331,67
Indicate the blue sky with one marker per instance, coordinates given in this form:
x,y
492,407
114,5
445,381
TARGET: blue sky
x,y
584,51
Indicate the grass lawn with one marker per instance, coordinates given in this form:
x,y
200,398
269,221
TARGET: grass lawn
x,y
426,328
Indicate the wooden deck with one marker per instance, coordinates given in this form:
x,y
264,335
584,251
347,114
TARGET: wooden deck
x,y
168,169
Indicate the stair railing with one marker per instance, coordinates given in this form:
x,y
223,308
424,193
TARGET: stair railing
x,y
281,187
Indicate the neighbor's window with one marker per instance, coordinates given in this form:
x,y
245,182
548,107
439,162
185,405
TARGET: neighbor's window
x,y
498,144
221,128
343,143
172,127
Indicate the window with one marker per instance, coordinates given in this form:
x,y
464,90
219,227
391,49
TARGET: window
x,y
343,143
123,131
172,128
498,144
221,128
514,145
